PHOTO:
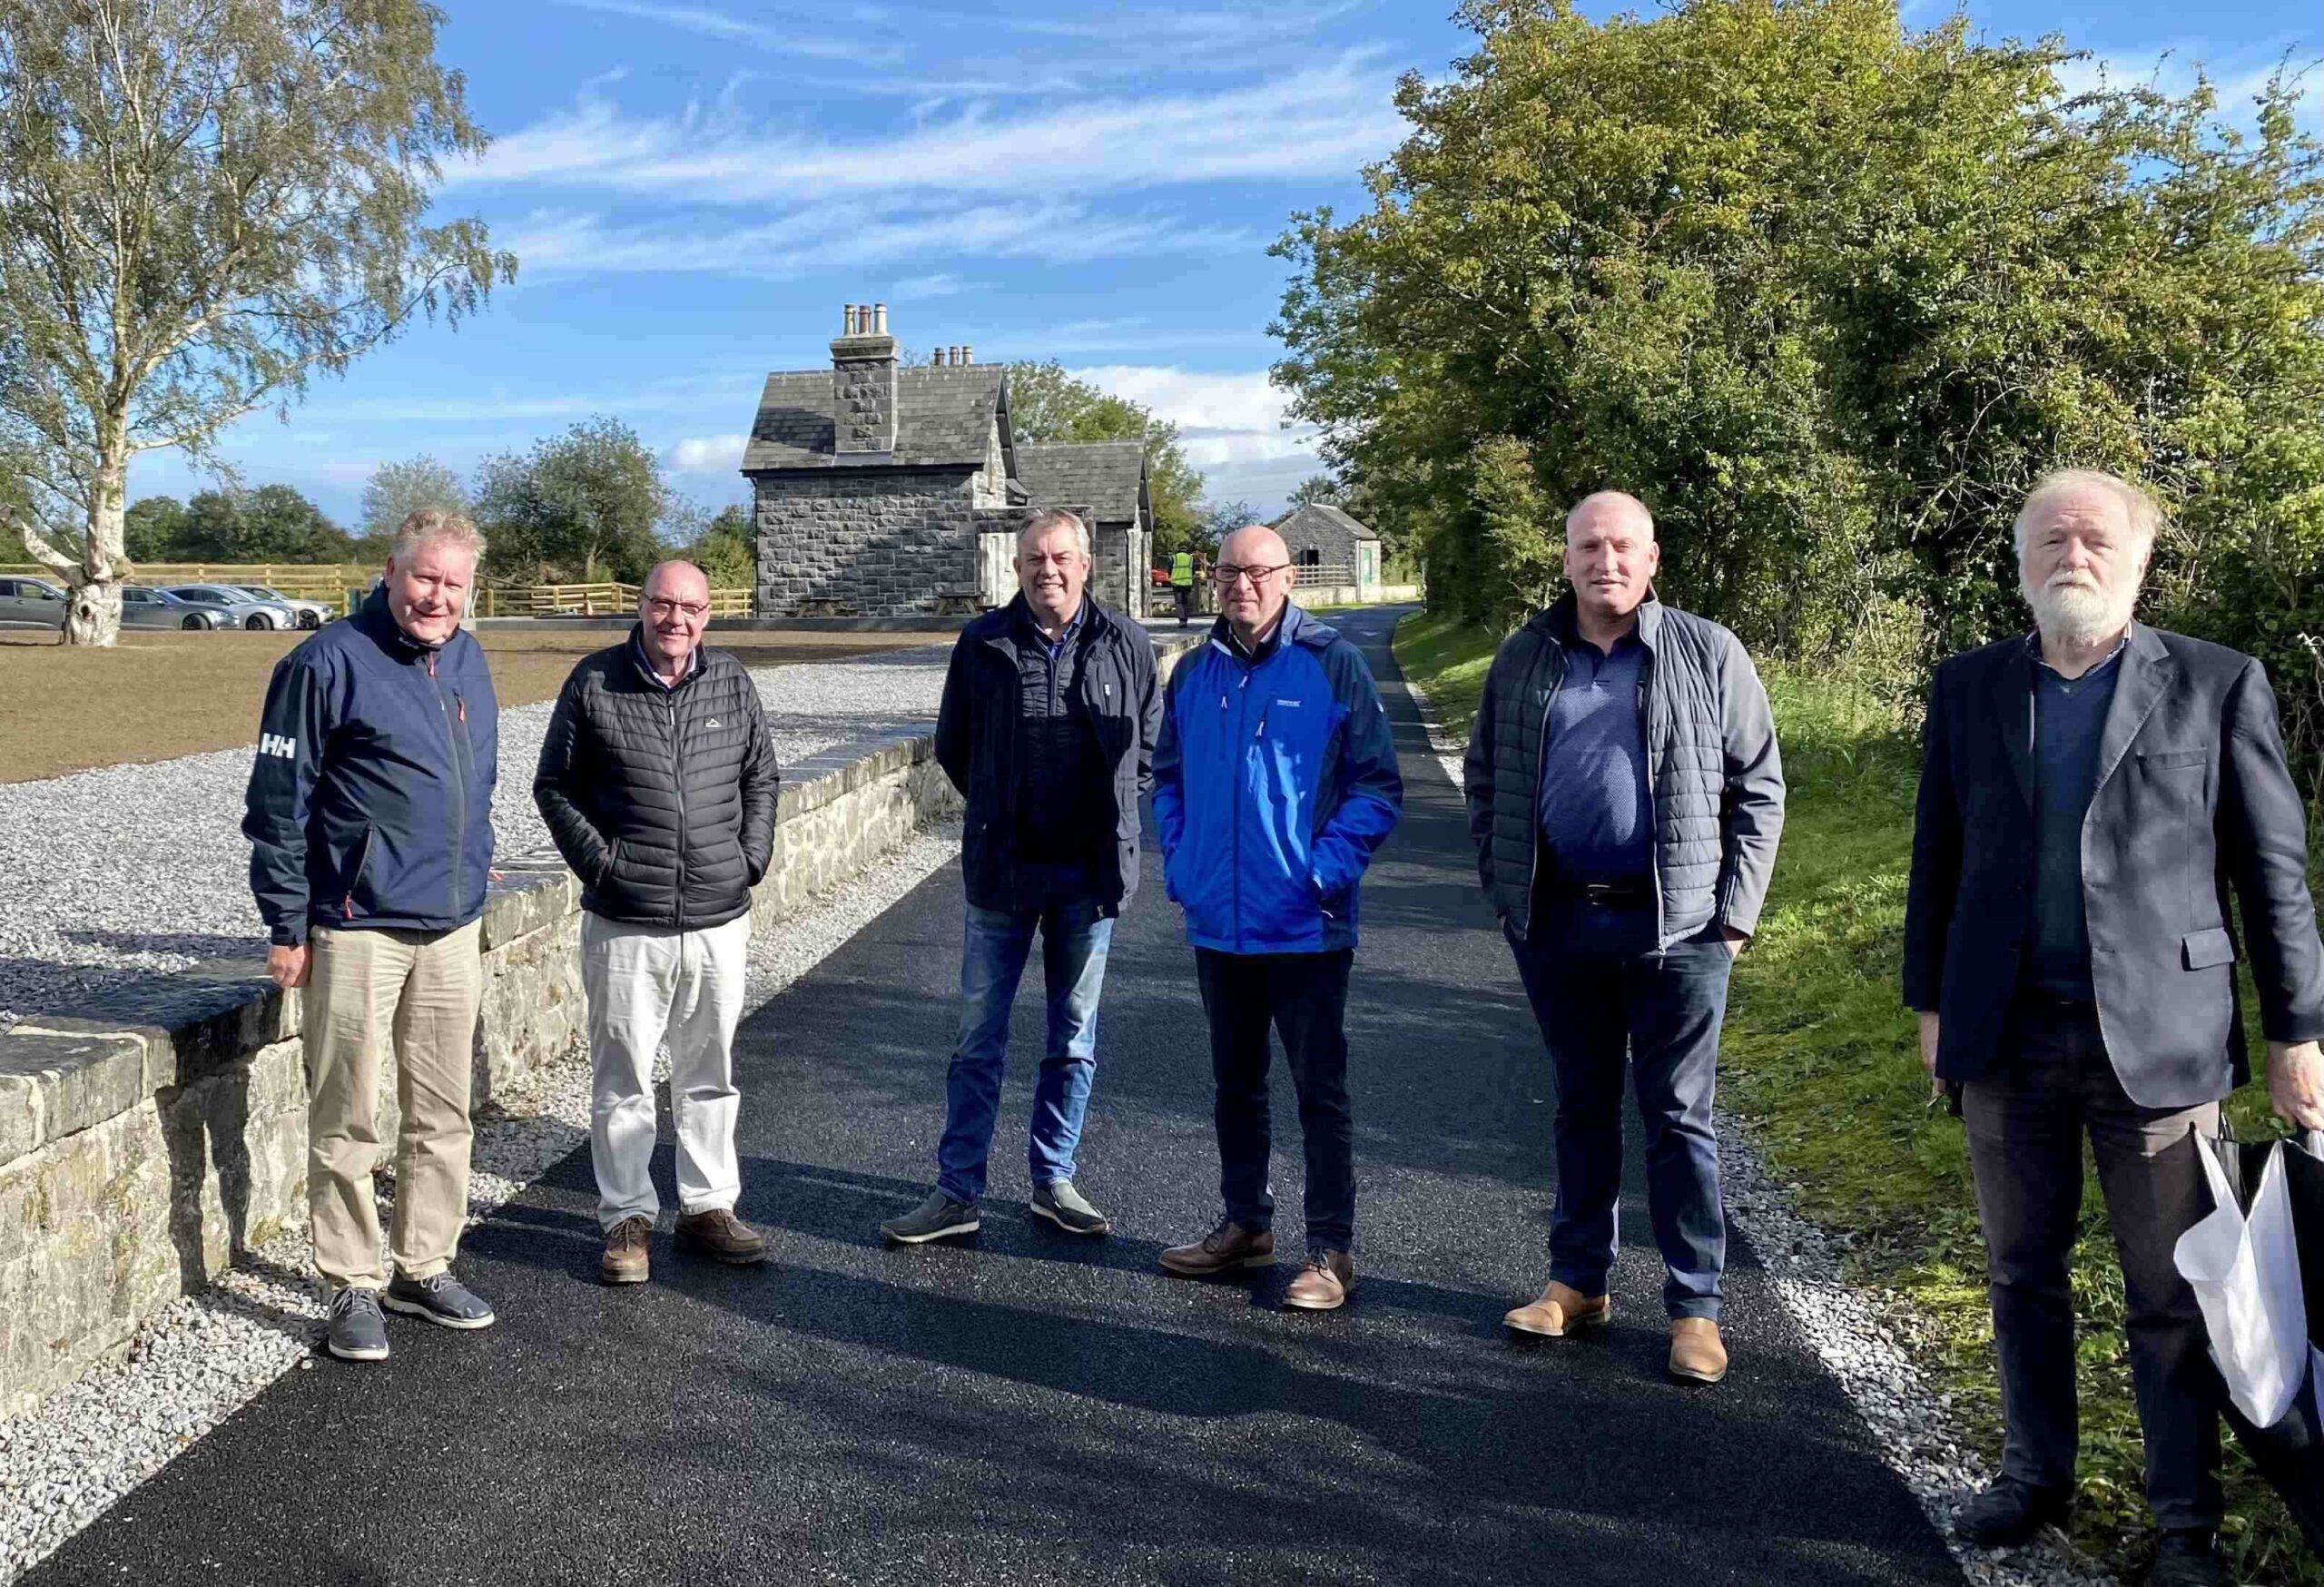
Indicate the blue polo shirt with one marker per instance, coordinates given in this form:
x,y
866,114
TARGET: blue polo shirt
x,y
1596,811
2069,715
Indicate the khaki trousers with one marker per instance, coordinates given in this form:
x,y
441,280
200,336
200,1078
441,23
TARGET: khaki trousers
x,y
363,986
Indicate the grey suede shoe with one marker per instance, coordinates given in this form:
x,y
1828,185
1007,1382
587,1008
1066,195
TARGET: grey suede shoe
x,y
358,1331
933,1219
442,1300
1065,1207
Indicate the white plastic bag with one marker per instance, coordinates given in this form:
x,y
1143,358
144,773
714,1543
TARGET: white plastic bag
x,y
2244,1268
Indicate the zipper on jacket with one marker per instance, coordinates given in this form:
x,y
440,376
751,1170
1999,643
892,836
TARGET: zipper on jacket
x,y
677,782
1653,785
347,904
453,734
1541,770
1235,814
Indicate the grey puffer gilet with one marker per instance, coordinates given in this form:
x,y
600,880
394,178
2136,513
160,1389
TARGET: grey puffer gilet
x,y
1711,756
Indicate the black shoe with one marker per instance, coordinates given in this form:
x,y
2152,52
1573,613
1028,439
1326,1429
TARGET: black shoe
x,y
2009,1512
1067,1209
2187,1557
358,1331
933,1219
442,1300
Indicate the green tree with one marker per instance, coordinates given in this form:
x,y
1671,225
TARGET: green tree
x,y
1046,404
726,549
204,205
398,490
152,528
588,503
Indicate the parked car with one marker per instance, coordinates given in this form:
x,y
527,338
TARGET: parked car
x,y
142,607
31,603
243,609
309,614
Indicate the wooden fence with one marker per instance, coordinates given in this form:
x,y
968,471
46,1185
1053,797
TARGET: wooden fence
x,y
611,599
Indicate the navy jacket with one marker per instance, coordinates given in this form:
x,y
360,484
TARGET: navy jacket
x,y
976,744
1274,782
369,805
2193,802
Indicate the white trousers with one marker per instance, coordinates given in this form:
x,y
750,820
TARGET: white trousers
x,y
647,985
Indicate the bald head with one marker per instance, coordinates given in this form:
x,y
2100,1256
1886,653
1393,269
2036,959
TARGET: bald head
x,y
1602,507
1254,577
672,610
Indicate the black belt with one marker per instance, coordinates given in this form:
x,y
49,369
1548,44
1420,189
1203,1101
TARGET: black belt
x,y
1607,894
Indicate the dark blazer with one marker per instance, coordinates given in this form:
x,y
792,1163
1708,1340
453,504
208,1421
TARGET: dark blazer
x,y
976,743
661,800
2193,799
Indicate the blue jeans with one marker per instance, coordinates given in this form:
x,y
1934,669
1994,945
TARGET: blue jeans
x,y
1075,936
1660,1010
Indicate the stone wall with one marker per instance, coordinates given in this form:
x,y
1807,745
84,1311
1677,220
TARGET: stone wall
x,y
843,543
149,1143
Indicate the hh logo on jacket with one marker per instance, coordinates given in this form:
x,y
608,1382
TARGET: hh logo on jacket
x,y
274,744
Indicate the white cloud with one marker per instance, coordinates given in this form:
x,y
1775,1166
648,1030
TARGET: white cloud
x,y
849,237
1322,120
1230,425
812,36
708,454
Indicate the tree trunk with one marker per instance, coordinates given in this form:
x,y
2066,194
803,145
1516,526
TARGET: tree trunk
x,y
92,608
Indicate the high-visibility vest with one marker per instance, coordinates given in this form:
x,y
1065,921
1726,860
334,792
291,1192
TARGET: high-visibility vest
x,y
1182,569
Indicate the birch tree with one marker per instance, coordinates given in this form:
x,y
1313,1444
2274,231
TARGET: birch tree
x,y
203,203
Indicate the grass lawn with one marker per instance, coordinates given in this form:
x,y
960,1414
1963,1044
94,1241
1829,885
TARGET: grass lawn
x,y
160,693
1819,1058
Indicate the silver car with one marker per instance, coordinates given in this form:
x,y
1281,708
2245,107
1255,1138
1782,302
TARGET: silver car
x,y
31,603
309,614
243,609
142,607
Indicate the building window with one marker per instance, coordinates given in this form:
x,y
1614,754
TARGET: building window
x,y
1311,557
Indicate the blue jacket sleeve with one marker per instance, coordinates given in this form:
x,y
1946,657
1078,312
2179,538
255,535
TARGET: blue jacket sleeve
x,y
1372,790
291,730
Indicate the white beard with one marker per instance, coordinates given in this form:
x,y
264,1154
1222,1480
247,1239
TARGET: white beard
x,y
2076,613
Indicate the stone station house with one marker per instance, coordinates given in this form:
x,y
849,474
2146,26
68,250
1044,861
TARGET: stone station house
x,y
885,491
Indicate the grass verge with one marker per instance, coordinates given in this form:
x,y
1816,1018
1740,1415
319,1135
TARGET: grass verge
x,y
1818,1059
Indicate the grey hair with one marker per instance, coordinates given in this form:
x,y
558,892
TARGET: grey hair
x,y
2143,513
1622,496
440,525
1042,520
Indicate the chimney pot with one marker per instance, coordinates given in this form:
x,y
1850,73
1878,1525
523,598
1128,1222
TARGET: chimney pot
x,y
847,319
879,319
968,353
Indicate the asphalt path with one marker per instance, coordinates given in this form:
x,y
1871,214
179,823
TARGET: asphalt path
x,y
1029,1407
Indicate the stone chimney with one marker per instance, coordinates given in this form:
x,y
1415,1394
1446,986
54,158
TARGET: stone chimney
x,y
968,353
863,381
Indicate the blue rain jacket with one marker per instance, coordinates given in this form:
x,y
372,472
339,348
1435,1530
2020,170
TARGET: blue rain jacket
x,y
1274,780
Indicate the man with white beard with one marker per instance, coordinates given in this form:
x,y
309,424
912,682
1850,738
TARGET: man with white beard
x,y
2091,796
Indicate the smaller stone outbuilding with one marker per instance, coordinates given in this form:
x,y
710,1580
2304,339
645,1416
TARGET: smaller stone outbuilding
x,y
1328,546
1107,483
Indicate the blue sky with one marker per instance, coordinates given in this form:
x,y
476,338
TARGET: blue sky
x,y
694,187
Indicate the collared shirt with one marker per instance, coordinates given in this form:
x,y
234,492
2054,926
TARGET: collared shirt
x,y
1595,809
645,665
2069,717
1065,635
1264,647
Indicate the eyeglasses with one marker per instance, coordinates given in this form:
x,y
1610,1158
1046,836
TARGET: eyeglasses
x,y
1226,573
693,611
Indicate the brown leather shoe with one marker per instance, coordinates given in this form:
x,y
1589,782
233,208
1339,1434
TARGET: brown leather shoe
x,y
722,1237
1324,1285
1561,1310
1696,1352
625,1258
1223,1249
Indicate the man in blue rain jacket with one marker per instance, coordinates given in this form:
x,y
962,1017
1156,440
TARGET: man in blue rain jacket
x,y
1275,781
369,816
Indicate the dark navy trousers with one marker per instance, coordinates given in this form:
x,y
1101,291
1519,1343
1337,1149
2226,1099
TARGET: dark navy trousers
x,y
1608,1001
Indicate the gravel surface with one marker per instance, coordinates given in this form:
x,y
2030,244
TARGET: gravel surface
x,y
133,871
1861,1337
205,1355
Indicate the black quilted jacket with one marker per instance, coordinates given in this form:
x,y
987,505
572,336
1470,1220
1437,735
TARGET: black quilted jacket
x,y
661,800
1711,760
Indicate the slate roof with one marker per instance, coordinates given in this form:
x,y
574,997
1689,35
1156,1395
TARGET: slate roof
x,y
1320,515
943,416
1108,477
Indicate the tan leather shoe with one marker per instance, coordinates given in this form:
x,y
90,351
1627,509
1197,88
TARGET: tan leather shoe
x,y
1561,1310
1322,1285
624,1261
1227,1247
1696,1352
720,1236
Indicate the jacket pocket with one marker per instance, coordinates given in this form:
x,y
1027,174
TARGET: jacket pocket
x,y
355,874
2165,760
2208,949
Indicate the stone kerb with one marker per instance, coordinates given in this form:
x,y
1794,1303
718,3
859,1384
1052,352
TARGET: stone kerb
x,y
155,1135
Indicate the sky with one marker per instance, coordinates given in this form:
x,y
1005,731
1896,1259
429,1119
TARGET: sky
x,y
694,189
